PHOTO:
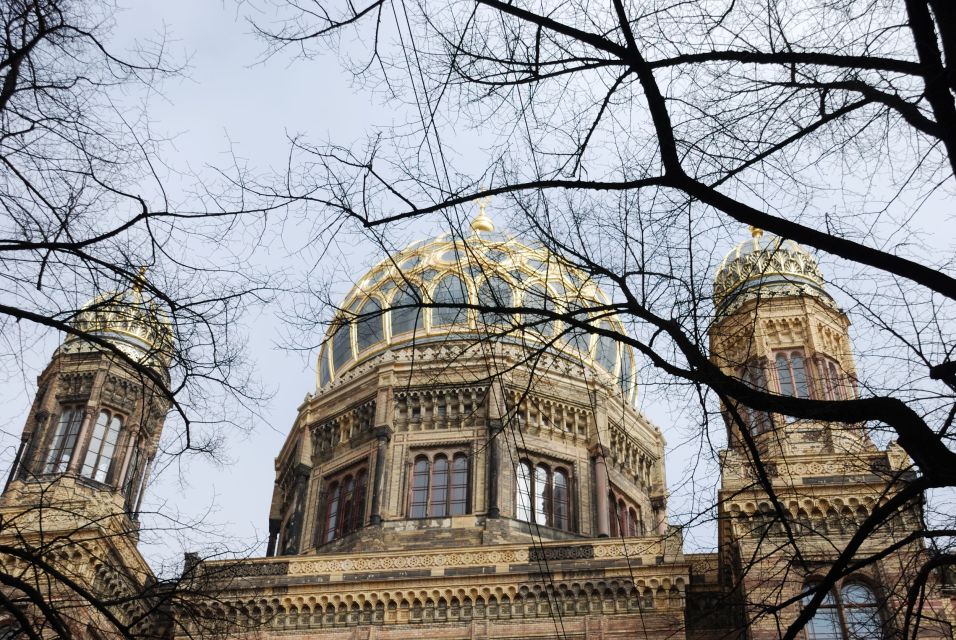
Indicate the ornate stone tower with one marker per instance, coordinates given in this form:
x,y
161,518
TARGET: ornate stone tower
x,y
71,500
777,329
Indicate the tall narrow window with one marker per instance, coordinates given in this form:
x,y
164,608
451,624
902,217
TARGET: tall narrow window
x,y
344,510
345,506
523,501
451,295
834,381
458,500
605,350
632,527
407,311
131,471
358,501
419,488
754,376
543,495
99,455
792,374
495,294
331,512
368,328
64,440
341,344
438,495
538,297
562,515
613,517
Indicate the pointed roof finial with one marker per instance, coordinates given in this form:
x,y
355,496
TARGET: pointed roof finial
x,y
139,281
755,232
482,222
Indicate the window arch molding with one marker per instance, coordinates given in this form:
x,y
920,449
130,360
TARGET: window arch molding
x,y
544,492
369,325
449,288
626,517
342,499
103,445
849,611
440,483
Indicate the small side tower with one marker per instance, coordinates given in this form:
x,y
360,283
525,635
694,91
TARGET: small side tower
x,y
777,329
72,497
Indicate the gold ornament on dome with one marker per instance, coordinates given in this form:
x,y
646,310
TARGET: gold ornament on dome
x,y
763,267
126,320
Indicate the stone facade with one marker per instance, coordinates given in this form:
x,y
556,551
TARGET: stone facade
x,y
450,481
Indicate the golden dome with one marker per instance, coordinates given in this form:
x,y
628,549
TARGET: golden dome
x,y
765,266
125,319
383,312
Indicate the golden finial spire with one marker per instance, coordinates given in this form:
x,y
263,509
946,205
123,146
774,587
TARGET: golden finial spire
x,y
482,222
139,282
755,232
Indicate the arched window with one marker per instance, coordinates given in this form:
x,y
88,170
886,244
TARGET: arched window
x,y
626,519
605,351
419,504
452,295
438,492
99,455
64,440
632,526
792,374
861,612
523,486
538,297
331,513
624,373
341,344
835,385
458,501
439,485
496,294
613,517
407,310
345,505
854,615
369,329
324,375
543,493
562,514
754,375
344,510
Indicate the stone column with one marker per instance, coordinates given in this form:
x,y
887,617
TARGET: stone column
x,y
494,469
598,454
497,414
659,505
383,434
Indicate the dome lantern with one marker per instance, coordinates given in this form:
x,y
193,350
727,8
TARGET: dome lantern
x,y
138,328
765,266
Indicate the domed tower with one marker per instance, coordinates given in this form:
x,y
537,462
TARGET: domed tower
x,y
441,420
95,423
777,329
